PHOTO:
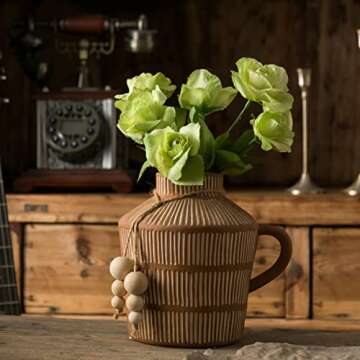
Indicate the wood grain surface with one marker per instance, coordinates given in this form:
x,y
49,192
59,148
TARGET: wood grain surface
x,y
66,271
272,207
268,301
214,34
43,338
297,275
66,268
336,285
17,244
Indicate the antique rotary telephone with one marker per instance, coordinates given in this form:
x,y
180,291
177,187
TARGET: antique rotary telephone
x,y
76,128
28,43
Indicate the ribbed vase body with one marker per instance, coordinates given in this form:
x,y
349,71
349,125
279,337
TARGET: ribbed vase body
x,y
198,254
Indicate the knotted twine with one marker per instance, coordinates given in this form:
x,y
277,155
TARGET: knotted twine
x,y
134,233
133,236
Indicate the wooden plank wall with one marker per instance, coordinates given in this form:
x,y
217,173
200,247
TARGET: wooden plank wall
x,y
213,34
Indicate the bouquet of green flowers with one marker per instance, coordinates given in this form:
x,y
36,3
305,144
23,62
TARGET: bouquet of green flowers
x,y
177,140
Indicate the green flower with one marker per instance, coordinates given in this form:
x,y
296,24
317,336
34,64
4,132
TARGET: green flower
x,y
266,84
146,82
143,112
176,154
274,130
204,93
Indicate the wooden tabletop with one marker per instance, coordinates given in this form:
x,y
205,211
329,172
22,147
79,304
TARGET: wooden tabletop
x,y
273,207
44,338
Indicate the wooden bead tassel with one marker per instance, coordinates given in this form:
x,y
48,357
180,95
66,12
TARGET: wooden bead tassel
x,y
118,289
121,266
135,303
134,318
136,283
117,303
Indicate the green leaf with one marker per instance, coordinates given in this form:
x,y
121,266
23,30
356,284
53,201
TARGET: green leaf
x,y
193,172
244,143
144,166
180,117
195,116
237,170
223,141
207,145
227,161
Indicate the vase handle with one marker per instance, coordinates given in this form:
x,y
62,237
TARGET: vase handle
x,y
282,261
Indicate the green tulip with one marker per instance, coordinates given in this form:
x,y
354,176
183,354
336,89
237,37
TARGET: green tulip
x,y
265,84
143,112
204,94
175,154
274,130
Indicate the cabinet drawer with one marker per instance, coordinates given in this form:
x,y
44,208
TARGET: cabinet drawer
x,y
269,300
287,295
66,271
66,268
336,273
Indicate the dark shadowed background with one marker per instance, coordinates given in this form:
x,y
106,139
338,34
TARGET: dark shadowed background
x,y
213,34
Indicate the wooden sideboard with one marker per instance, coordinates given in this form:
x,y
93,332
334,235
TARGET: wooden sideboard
x,y
64,243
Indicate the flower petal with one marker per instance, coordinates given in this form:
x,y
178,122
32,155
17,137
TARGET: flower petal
x,y
192,131
193,172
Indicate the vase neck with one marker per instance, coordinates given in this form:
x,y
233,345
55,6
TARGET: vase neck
x,y
212,182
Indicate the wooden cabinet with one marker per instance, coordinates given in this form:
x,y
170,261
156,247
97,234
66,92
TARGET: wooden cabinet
x,y
66,268
64,243
66,271
336,272
269,300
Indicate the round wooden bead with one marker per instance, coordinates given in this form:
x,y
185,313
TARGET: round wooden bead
x,y
117,303
120,266
134,318
117,288
135,303
136,283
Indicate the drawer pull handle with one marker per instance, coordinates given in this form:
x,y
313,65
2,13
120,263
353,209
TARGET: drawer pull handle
x,y
40,208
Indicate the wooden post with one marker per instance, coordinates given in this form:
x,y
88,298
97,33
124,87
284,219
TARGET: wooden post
x,y
16,231
297,275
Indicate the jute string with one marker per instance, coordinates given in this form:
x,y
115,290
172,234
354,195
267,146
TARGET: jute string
x,y
133,240
133,237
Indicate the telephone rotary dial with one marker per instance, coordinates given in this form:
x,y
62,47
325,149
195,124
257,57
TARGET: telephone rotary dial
x,y
77,131
74,130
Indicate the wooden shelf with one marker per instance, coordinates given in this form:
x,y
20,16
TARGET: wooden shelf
x,y
273,207
75,236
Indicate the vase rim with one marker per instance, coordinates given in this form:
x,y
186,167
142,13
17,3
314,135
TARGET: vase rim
x,y
213,182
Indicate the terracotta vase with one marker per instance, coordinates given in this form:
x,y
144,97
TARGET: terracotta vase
x,y
198,253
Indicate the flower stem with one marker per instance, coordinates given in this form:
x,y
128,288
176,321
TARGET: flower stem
x,y
239,116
